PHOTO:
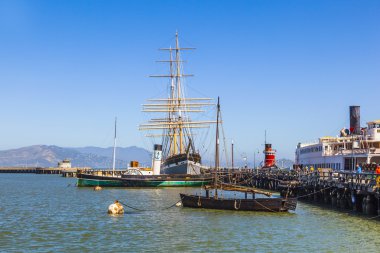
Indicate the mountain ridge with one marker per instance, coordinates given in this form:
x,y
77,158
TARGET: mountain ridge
x,y
91,156
95,157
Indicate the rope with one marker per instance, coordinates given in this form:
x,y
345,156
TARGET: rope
x,y
374,217
235,206
287,191
150,210
266,207
313,192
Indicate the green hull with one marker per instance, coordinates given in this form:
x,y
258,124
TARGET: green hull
x,y
167,183
95,182
85,182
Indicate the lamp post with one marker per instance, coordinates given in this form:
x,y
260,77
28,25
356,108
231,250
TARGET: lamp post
x,y
245,162
232,154
254,158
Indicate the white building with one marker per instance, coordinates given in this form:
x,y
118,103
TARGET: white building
x,y
65,164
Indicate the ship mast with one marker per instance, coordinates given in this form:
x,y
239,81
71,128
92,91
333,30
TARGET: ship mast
x,y
178,83
176,125
217,151
114,150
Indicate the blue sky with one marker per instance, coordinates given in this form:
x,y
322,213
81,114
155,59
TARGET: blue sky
x,y
67,68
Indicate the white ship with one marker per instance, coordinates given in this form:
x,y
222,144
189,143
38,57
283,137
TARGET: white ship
x,y
356,145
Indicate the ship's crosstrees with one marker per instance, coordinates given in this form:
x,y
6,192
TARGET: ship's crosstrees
x,y
175,112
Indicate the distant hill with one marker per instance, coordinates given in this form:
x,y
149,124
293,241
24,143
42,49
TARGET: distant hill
x,y
49,156
126,154
95,157
283,163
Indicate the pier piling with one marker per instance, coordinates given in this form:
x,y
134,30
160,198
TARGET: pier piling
x,y
342,190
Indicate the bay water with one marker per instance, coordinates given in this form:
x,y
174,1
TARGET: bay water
x,y
48,213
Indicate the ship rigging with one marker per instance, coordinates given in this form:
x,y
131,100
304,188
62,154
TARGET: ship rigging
x,y
179,153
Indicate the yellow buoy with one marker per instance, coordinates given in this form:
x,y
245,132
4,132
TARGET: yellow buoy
x,y
97,188
116,208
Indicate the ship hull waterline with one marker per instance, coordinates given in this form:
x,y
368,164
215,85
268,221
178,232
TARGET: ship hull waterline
x,y
258,205
182,164
137,181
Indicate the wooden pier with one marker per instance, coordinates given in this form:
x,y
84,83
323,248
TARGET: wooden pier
x,y
343,190
17,169
66,172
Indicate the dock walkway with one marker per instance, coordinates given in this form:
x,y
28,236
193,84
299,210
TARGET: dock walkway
x,y
67,172
359,192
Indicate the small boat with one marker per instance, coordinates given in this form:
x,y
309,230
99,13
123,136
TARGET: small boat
x,y
239,204
260,204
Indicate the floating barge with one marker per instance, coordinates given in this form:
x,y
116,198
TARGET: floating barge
x,y
259,204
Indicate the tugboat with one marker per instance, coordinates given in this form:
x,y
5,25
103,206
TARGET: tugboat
x,y
270,157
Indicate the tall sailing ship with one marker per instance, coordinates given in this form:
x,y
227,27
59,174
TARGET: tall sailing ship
x,y
175,162
179,155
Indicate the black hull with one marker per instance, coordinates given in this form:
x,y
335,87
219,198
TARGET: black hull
x,y
259,204
195,157
182,164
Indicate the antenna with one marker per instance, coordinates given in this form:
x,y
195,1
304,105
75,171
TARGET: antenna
x,y
232,154
265,137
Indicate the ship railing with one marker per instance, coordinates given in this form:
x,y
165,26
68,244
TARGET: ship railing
x,y
102,172
347,152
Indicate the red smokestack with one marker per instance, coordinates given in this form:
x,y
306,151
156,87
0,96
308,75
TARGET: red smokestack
x,y
270,156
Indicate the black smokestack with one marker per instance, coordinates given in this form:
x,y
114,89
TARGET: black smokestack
x,y
355,119
157,147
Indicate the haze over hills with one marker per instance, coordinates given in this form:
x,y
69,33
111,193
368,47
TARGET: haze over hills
x,y
49,156
284,163
95,157
127,154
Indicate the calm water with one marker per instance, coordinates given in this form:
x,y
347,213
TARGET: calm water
x,y
47,213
